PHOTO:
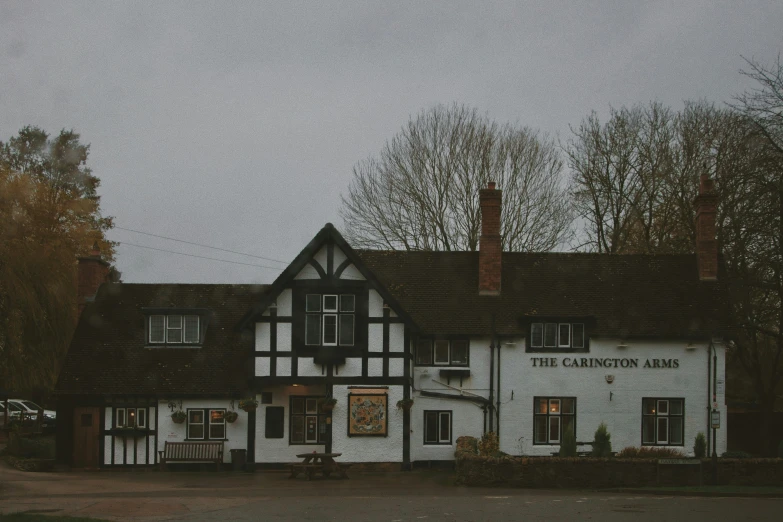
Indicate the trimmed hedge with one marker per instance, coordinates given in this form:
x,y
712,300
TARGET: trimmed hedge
x,y
591,473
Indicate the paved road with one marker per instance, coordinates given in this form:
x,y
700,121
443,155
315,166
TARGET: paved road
x,y
379,497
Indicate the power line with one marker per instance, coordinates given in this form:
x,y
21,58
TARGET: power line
x,y
201,245
200,257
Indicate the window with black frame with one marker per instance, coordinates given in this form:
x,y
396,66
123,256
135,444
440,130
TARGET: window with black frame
x,y
308,422
552,416
560,335
437,427
663,422
330,319
442,352
206,424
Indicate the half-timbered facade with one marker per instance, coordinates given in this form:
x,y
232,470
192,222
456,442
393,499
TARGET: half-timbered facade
x,y
388,357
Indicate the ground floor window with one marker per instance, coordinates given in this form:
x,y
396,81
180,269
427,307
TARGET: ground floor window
x,y
552,416
308,422
130,418
206,424
663,422
437,427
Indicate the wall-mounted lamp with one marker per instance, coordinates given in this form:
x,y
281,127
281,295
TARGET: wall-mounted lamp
x,y
609,378
510,344
622,345
690,347
273,304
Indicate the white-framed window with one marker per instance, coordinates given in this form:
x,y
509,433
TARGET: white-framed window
x,y
442,352
437,427
196,424
174,329
557,335
330,319
130,418
206,424
551,417
663,422
308,421
217,424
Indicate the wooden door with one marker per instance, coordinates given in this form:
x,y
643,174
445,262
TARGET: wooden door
x,y
86,437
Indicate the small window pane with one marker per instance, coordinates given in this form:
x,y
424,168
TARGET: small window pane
x,y
313,329
431,426
313,303
217,424
568,423
663,407
648,430
131,412
174,329
648,406
564,336
266,398
445,427
297,429
675,424
441,352
330,303
424,352
330,330
191,329
297,406
567,405
540,429
537,335
550,335
554,406
346,330
578,335
141,418
120,418
554,429
347,303
312,429
663,430
459,352
311,406
675,407
542,406
157,329
322,429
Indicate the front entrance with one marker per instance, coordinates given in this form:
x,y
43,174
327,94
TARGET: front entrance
x,y
86,437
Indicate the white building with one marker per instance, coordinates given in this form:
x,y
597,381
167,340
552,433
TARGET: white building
x,y
525,345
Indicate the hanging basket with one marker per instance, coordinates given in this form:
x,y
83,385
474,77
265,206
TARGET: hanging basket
x,y
328,404
179,416
405,404
231,416
248,405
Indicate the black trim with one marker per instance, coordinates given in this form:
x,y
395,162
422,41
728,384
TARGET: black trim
x,y
278,319
260,382
273,342
341,268
318,268
330,259
468,398
251,439
382,320
406,413
319,414
432,340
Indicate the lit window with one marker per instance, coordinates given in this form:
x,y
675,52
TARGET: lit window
x,y
663,422
551,416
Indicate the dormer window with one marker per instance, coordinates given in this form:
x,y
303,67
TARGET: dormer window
x,y
174,329
330,319
557,335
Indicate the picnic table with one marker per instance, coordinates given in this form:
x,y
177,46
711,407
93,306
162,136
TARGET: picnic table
x,y
322,463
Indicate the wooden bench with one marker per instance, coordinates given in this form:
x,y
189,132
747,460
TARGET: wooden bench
x,y
191,452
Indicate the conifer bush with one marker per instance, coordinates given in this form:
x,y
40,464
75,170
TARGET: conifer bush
x,y
602,443
568,443
700,446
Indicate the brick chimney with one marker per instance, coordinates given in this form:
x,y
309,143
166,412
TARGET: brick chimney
x,y
93,271
706,245
489,245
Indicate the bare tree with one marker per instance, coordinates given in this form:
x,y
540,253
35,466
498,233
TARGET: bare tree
x,y
421,191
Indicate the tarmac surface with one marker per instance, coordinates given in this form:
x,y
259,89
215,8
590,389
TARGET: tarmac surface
x,y
393,497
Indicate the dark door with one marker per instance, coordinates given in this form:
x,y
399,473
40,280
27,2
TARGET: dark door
x,y
86,433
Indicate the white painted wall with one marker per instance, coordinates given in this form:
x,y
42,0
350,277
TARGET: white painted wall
x,y
622,411
124,446
279,450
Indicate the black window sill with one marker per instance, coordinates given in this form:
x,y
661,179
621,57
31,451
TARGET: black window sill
x,y
663,445
206,440
438,444
306,443
171,345
586,349
442,366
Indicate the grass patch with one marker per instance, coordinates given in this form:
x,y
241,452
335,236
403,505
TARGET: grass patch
x,y
38,517
729,490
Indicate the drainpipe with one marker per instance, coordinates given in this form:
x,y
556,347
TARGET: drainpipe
x,y
497,408
492,375
709,404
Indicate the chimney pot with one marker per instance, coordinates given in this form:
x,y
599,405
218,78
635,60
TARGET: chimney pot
x,y
491,185
706,245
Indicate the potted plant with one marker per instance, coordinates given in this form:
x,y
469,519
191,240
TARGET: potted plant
x,y
179,416
328,403
248,404
404,404
231,416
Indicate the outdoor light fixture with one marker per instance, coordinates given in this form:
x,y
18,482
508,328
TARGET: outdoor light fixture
x,y
622,345
690,346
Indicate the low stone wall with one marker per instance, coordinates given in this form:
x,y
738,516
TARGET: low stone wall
x,y
581,473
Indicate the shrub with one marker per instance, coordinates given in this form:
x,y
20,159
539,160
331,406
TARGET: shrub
x,y
568,444
602,443
466,446
644,452
488,445
700,446
31,447
736,455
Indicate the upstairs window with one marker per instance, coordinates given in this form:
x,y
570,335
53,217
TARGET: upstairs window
x,y
442,352
174,329
330,319
557,335
130,418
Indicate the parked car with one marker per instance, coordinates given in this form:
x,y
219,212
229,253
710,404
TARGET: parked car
x,y
17,407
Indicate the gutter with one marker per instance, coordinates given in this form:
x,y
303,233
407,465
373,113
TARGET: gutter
x,y
476,400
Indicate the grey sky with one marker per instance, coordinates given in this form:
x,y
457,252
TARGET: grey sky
x,y
236,124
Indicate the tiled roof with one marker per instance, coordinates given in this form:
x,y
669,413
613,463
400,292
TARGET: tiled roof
x,y
628,295
107,354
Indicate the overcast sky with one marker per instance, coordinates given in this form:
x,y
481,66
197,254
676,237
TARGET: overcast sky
x,y
237,124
